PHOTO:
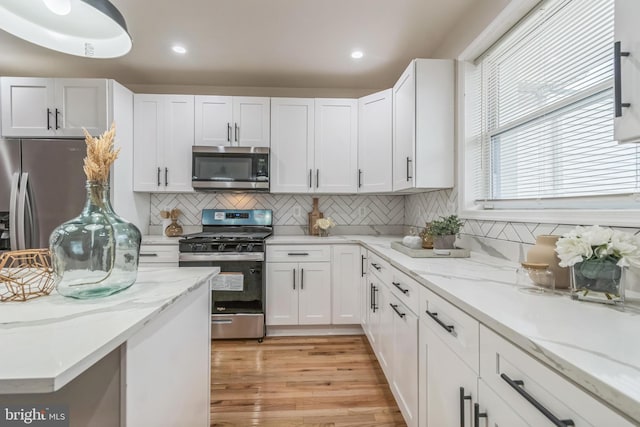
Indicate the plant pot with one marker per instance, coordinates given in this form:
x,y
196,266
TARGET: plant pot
x,y
444,242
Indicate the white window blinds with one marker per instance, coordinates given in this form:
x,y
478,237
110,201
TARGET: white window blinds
x,y
540,109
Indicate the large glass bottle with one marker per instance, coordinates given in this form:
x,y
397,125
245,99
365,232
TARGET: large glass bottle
x,y
95,254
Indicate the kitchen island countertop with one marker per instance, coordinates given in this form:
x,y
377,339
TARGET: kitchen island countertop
x,y
593,345
48,341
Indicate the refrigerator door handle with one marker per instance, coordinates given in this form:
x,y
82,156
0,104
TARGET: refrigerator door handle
x,y
22,205
32,237
13,211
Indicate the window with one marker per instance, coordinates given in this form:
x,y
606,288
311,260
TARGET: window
x,y
539,113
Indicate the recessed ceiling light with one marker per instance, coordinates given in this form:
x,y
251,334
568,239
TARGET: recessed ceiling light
x,y
179,49
357,54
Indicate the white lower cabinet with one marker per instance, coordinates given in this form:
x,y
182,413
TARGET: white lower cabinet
x,y
346,273
298,293
536,393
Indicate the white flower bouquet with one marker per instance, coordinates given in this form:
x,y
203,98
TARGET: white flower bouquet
x,y
324,224
596,256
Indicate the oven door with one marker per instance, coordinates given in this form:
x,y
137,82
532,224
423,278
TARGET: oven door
x,y
237,293
231,168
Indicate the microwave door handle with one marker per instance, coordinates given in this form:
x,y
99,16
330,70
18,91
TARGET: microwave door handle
x,y
13,212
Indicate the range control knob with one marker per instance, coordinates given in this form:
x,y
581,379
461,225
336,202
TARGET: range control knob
x,y
250,247
221,247
239,247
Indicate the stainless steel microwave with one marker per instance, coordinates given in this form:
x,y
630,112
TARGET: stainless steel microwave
x,y
230,168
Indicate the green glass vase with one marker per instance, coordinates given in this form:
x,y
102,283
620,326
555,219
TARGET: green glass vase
x,y
95,254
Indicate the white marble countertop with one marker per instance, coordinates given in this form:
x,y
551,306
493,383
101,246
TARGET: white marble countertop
x,y
155,239
48,341
594,345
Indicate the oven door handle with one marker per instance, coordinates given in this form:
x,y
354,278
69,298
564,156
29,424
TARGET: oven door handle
x,y
199,257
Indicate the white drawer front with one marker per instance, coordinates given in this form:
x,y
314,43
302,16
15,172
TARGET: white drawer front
x,y
406,289
154,254
456,328
298,253
379,267
510,372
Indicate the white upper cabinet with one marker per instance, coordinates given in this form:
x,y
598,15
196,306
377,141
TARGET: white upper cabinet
x,y
375,138
48,107
232,120
423,125
627,39
163,137
292,134
336,146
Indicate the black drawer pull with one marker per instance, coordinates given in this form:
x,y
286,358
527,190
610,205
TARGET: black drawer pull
x,y
395,308
298,253
294,279
477,415
518,385
147,254
362,271
434,316
463,397
375,303
397,285
376,266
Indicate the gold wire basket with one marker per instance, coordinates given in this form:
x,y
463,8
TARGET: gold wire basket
x,y
25,274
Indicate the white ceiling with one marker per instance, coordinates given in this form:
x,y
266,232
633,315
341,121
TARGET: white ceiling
x,y
265,43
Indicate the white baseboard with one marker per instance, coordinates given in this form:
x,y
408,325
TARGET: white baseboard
x,y
307,330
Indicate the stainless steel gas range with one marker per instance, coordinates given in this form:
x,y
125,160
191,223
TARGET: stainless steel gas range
x,y
234,241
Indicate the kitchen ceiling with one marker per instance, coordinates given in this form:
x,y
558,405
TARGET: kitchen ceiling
x,y
260,43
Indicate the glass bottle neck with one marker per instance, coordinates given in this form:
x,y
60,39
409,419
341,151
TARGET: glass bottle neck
x,y
98,196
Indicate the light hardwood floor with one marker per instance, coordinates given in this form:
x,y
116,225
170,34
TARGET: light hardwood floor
x,y
299,381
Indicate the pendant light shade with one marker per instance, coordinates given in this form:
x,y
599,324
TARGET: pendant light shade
x,y
89,28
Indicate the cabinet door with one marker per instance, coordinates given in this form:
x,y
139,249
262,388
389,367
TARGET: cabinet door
x,y
336,146
314,294
27,107
178,140
213,120
148,133
80,103
385,330
251,121
345,284
404,125
282,293
405,361
375,137
627,13
292,133
442,374
496,411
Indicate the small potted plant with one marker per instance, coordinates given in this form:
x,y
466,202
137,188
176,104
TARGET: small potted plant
x,y
445,230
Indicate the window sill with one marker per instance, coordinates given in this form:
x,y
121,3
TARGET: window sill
x,y
604,217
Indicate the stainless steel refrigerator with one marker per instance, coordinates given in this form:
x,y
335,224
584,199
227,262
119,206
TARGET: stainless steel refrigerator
x,y
41,186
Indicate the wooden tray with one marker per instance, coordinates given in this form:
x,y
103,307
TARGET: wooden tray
x,y
429,253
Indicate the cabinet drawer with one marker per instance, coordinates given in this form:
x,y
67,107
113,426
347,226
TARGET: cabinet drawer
x,y
299,253
381,268
512,373
154,254
406,290
456,328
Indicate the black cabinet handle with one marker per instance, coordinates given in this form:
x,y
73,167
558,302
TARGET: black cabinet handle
x,y
518,385
371,296
301,278
166,176
359,178
617,78
376,266
310,184
409,169
375,304
228,132
297,253
317,178
463,397
395,308
477,415
397,285
362,265
434,316
294,279
237,129
147,254
48,118
57,113
158,177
